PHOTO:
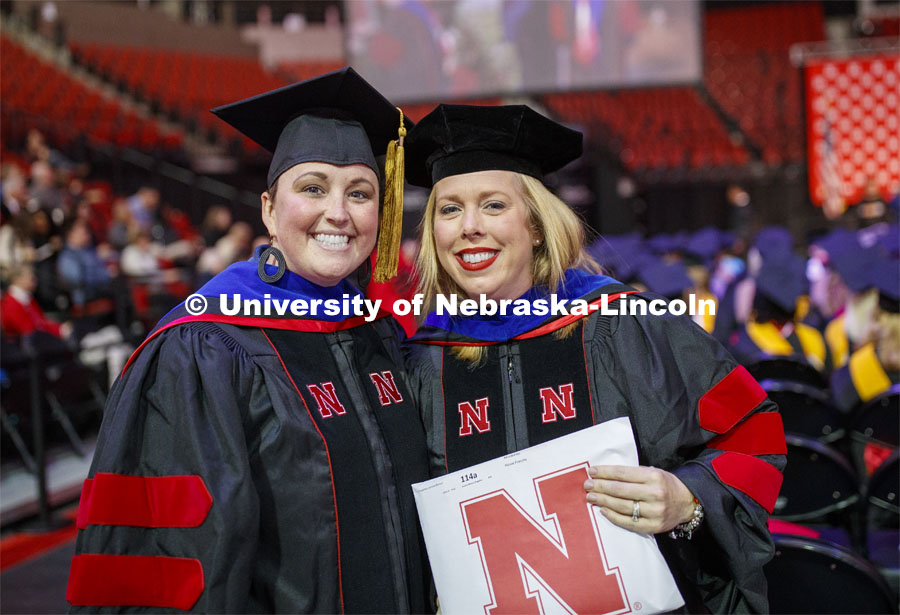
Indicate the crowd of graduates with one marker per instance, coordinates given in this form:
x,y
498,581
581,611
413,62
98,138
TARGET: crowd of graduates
x,y
829,304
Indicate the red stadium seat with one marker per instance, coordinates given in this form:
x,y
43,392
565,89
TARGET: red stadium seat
x,y
32,86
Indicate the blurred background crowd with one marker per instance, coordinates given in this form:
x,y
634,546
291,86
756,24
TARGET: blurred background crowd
x,y
745,152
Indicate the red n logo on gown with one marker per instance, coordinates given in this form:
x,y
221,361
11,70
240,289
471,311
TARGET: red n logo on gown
x,y
327,399
562,402
523,561
477,416
388,393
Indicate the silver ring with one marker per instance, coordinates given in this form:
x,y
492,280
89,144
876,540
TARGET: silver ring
x,y
636,511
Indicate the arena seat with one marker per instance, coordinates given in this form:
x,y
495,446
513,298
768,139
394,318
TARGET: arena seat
x,y
748,71
187,85
668,128
875,425
69,393
300,71
806,410
813,576
34,87
820,490
882,499
818,481
787,369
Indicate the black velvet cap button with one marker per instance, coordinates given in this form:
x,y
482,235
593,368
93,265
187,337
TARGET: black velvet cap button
x,y
336,118
460,139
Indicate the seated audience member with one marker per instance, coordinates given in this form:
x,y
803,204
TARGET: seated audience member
x,y
873,368
16,247
140,258
122,226
21,313
45,191
772,329
37,149
701,256
22,316
216,224
45,236
234,246
14,191
870,210
81,270
771,243
144,205
827,291
853,327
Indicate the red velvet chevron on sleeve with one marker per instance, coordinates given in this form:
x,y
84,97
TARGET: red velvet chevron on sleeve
x,y
759,434
755,477
143,501
729,400
134,580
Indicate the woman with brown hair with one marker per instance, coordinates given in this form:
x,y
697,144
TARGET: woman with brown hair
x,y
258,460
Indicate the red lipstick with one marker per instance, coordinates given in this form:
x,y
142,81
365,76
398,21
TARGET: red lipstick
x,y
480,264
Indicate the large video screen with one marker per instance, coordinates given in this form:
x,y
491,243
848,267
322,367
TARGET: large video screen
x,y
425,50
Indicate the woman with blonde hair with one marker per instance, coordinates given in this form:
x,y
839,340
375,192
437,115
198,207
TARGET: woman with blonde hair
x,y
710,443
873,368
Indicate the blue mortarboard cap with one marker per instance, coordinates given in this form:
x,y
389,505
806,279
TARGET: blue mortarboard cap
x,y
605,246
782,282
627,267
663,243
727,239
838,240
890,241
668,280
885,276
680,240
618,254
705,243
461,139
639,261
853,264
337,118
774,242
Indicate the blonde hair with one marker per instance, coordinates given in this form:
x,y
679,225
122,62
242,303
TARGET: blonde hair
x,y
562,248
887,342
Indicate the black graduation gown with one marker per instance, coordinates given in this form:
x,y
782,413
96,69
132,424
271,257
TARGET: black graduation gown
x,y
862,379
256,465
695,412
759,341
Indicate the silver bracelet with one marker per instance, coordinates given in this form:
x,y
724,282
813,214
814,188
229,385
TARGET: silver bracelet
x,y
686,529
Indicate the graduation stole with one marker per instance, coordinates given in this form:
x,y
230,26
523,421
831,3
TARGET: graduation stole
x,y
241,279
867,374
444,329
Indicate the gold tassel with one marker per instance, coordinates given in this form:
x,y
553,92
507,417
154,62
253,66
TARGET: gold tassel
x,y
391,228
